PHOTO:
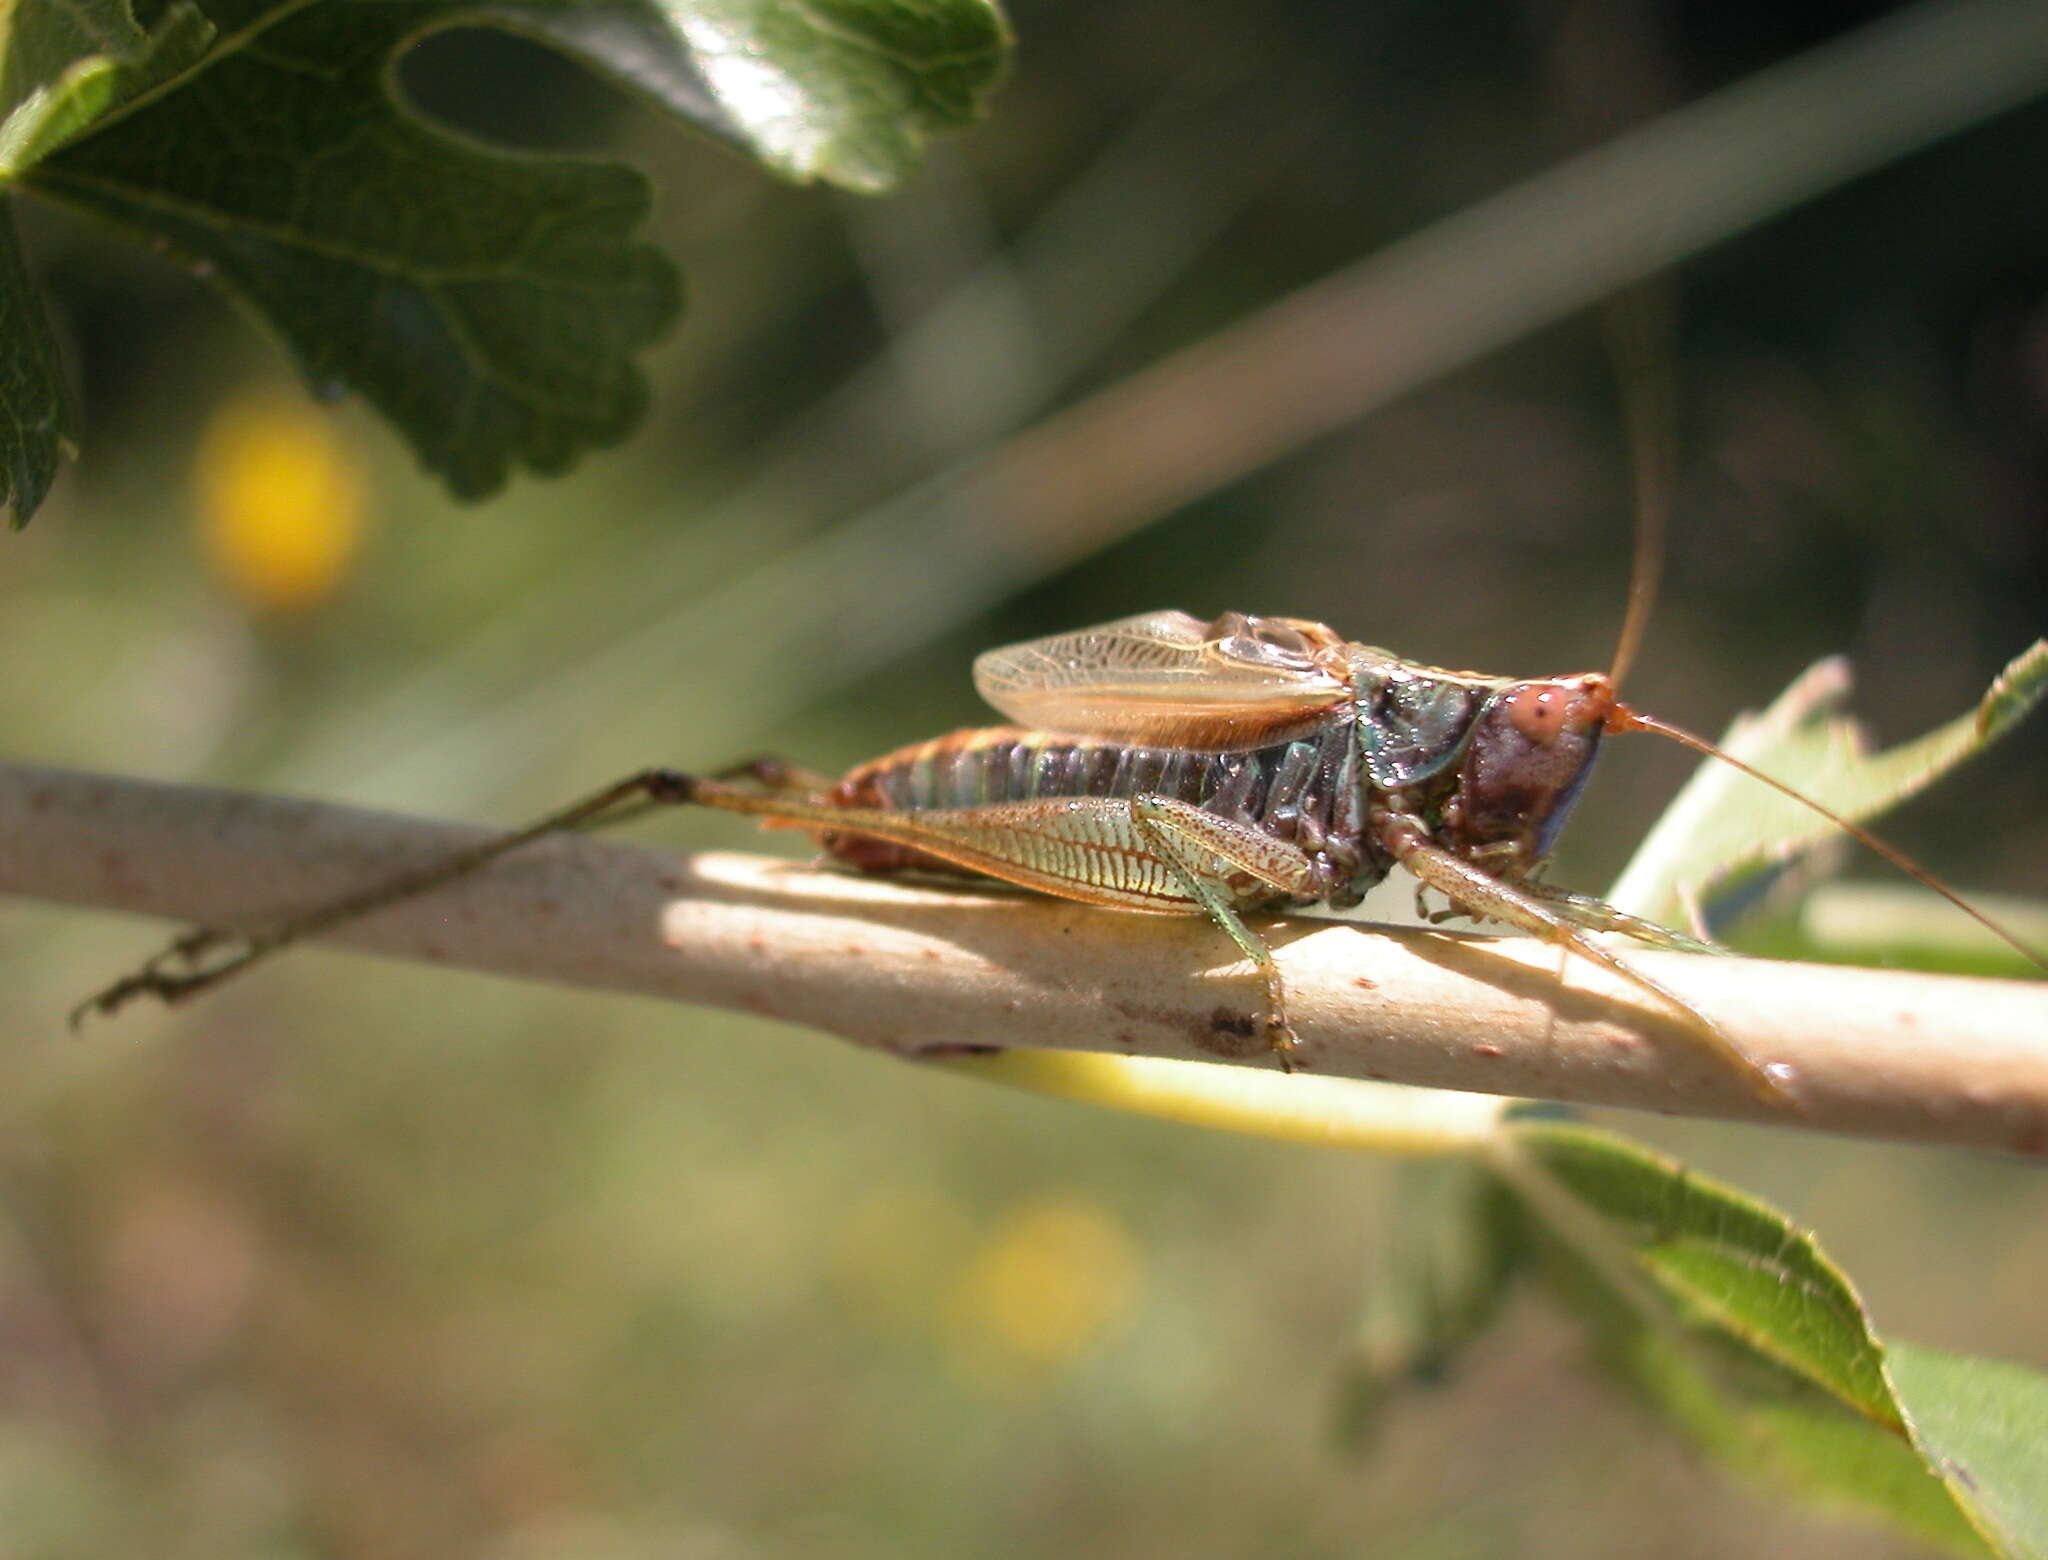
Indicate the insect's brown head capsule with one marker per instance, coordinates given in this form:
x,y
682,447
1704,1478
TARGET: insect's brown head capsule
x,y
1531,748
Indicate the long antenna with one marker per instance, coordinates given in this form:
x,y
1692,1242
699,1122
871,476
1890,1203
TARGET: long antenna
x,y
1638,325
1625,719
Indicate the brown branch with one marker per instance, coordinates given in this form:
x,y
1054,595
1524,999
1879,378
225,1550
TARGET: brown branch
x,y
1934,1059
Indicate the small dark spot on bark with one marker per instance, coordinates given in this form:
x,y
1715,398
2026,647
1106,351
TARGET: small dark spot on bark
x,y
1363,984
1241,1025
959,1048
1224,1032
1126,1039
1013,1004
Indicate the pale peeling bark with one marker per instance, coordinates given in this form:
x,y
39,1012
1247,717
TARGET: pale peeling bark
x,y
1933,1059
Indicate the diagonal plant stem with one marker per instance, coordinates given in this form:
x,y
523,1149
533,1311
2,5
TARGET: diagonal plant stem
x,y
917,971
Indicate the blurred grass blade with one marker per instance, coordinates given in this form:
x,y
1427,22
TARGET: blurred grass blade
x,y
1440,1280
1983,1425
1905,926
1724,830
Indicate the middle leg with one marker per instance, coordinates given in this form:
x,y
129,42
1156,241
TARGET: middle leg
x,y
1212,857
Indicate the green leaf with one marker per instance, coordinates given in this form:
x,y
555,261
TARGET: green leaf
x,y
63,67
847,91
1726,1261
490,305
1983,1425
633,43
1724,830
35,415
1729,1319
844,89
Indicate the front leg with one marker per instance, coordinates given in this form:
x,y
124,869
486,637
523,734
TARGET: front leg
x,y
1478,893
1597,915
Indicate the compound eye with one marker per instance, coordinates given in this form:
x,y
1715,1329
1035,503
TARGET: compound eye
x,y
1538,710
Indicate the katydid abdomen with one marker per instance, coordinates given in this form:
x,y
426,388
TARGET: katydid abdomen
x,y
1304,794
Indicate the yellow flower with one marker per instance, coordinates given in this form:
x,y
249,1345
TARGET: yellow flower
x,y
280,500
1048,1282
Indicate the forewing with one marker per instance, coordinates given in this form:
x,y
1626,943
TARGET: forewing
x,y
1165,679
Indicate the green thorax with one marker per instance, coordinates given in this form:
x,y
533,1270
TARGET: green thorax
x,y
1414,721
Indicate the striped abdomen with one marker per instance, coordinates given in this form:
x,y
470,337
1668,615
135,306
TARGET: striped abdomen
x,y
1306,792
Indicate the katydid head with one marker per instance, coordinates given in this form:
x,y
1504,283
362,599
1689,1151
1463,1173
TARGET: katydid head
x,y
1531,748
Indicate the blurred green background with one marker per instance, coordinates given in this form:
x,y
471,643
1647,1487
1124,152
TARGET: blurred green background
x,y
361,1260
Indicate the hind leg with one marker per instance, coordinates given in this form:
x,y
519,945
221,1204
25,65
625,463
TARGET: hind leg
x,y
778,776
177,973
